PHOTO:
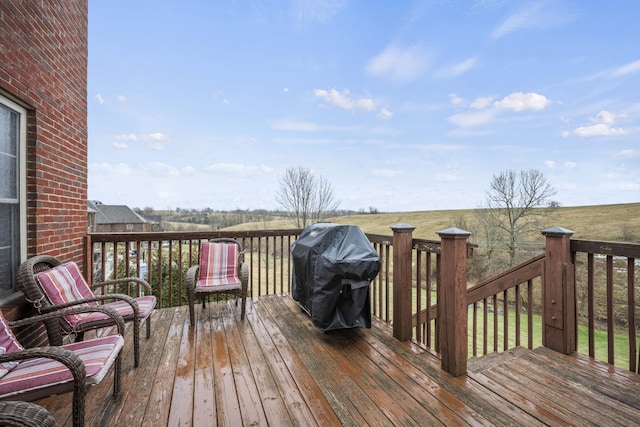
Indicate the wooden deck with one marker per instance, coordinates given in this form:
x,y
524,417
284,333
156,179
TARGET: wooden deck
x,y
275,368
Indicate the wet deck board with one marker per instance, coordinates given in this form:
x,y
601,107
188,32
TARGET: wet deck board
x,y
276,368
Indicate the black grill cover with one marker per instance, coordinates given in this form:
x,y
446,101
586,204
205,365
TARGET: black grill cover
x,y
333,266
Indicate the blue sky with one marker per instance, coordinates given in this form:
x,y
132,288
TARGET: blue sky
x,y
400,105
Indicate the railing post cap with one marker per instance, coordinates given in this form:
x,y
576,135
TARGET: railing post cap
x,y
453,231
401,226
556,231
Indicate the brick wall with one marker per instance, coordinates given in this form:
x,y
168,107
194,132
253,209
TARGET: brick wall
x,y
43,66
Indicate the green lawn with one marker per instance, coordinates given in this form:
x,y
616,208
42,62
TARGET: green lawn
x,y
621,341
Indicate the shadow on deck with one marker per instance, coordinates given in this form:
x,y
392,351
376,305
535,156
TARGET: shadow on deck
x,y
276,368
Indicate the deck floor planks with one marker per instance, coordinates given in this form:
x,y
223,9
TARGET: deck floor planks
x,y
267,389
204,396
299,390
227,403
354,365
479,399
432,397
134,395
164,376
297,375
180,406
332,384
251,407
615,383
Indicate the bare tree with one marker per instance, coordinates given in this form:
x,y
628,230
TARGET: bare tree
x,y
306,197
510,206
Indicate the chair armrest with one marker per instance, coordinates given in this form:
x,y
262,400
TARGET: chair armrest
x,y
192,276
67,357
141,282
118,320
244,277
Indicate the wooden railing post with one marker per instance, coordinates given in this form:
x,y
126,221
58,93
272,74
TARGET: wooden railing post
x,y
87,259
402,257
559,292
452,301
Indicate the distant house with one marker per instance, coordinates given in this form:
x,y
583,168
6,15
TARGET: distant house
x,y
115,219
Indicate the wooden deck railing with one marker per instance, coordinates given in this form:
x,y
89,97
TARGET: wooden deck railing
x,y
163,258
492,301
606,272
541,301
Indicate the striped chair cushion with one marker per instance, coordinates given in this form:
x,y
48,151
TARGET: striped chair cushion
x,y
65,283
33,374
8,344
218,267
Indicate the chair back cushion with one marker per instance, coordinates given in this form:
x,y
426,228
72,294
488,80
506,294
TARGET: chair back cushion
x,y
8,344
63,284
218,264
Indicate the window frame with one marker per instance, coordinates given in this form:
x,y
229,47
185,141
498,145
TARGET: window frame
x,y
21,172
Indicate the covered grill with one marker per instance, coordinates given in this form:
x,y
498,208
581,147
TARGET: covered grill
x,y
333,266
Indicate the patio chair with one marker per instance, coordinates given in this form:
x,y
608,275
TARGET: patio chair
x,y
51,285
34,373
24,414
221,270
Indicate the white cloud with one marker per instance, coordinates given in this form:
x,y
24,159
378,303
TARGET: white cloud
x,y
384,114
188,171
632,67
481,103
456,100
293,125
120,145
344,100
399,64
121,98
447,177
458,69
100,99
570,165
473,119
238,169
386,173
599,129
127,137
602,125
519,101
159,169
550,164
482,113
156,141
539,15
306,12
106,168
625,154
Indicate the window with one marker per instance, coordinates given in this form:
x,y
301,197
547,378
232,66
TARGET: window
x,y
13,206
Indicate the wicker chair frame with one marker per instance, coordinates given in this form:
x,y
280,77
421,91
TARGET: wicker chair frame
x,y
69,359
33,294
240,292
24,414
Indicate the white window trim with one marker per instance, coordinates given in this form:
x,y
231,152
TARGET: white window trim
x,y
22,171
